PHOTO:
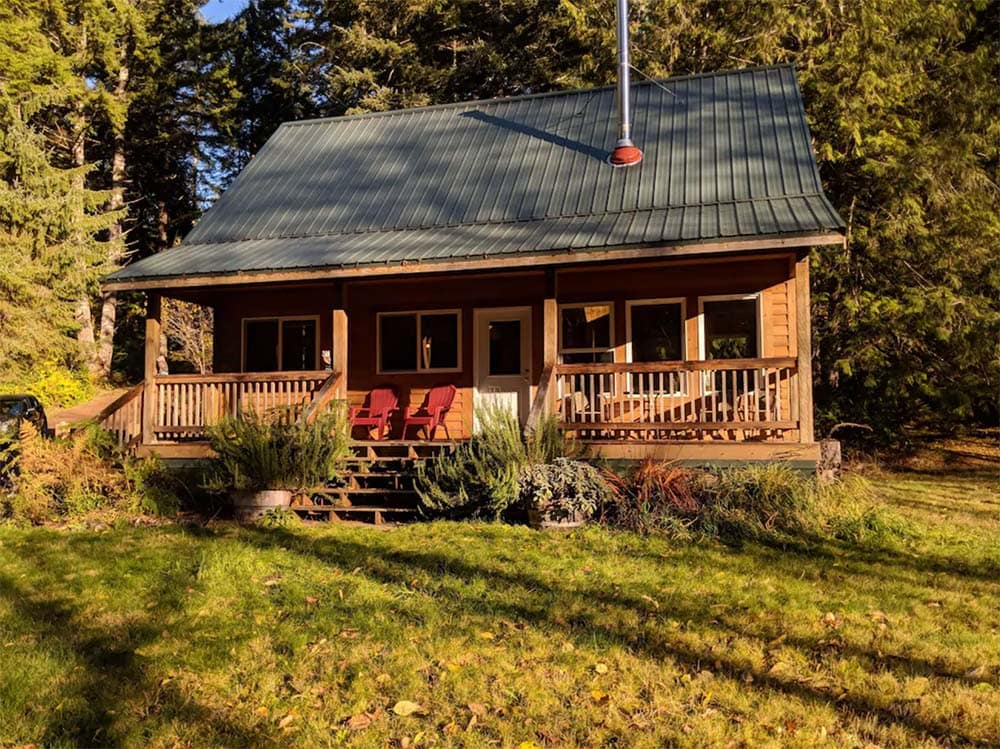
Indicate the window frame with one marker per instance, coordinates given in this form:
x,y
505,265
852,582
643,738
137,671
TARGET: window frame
x,y
280,319
611,332
755,297
420,368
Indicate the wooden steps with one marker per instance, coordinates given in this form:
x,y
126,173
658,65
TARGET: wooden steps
x,y
377,482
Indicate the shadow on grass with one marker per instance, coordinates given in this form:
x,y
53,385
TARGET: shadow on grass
x,y
109,679
522,596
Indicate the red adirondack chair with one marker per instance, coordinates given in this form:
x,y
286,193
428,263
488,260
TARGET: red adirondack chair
x,y
432,411
381,404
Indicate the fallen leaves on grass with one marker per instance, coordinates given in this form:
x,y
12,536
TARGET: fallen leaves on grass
x,y
405,708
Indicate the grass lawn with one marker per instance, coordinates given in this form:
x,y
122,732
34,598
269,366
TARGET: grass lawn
x,y
170,636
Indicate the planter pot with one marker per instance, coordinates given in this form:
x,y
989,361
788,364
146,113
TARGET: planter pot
x,y
250,505
543,520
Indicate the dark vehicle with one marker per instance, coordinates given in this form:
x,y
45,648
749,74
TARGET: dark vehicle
x,y
16,409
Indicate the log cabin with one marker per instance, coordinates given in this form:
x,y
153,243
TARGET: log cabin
x,y
658,307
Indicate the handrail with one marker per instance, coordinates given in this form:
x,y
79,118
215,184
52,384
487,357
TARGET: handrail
x,y
541,397
211,379
676,366
321,398
122,400
123,416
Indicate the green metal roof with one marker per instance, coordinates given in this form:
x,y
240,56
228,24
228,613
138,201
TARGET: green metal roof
x,y
727,155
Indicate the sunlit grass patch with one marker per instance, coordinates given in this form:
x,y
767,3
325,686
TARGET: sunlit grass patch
x,y
501,635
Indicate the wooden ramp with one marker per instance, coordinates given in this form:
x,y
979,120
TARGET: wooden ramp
x,y
377,484
62,419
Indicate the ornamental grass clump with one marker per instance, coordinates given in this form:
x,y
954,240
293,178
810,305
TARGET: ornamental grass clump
x,y
258,452
652,498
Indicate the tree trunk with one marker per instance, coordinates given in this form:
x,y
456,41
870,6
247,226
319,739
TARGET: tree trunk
x,y
82,313
109,307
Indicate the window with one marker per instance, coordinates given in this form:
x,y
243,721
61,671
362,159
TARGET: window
x,y
285,344
656,330
730,327
586,333
419,341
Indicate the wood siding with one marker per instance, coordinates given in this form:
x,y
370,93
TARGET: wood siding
x,y
772,276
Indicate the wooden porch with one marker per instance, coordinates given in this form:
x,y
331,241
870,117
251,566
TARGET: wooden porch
x,y
696,408
696,403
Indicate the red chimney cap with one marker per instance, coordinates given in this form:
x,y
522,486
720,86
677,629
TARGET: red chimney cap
x,y
625,156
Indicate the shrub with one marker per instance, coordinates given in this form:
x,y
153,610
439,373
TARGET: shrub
x,y
59,479
257,452
54,385
563,489
756,501
480,479
652,498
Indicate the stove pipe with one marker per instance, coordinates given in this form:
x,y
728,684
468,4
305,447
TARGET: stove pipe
x,y
625,153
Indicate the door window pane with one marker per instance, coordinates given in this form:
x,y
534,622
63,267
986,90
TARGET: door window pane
x,y
260,352
398,343
731,329
298,345
439,340
656,332
505,347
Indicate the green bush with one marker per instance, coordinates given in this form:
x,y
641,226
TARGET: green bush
x,y
481,478
757,501
257,452
563,489
53,480
54,385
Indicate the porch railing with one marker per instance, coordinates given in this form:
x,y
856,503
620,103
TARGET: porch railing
x,y
185,405
729,399
123,417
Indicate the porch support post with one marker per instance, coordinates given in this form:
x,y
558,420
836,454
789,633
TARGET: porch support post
x,y
339,360
550,329
154,308
803,337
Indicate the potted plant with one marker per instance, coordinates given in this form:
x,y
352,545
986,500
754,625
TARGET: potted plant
x,y
263,460
561,494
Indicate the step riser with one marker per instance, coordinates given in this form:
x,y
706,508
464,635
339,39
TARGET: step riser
x,y
377,483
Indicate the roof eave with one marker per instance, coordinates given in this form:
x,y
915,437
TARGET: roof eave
x,y
505,260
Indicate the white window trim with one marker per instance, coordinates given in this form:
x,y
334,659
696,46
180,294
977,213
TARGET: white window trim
x,y
279,319
756,297
420,368
629,304
611,332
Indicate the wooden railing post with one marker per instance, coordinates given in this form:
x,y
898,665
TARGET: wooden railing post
x,y
803,340
154,308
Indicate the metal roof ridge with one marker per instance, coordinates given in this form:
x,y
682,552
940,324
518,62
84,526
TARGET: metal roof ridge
x,y
524,97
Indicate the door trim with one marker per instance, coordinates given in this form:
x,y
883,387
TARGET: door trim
x,y
477,315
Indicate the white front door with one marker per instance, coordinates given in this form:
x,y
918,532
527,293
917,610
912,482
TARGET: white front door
x,y
503,360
